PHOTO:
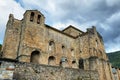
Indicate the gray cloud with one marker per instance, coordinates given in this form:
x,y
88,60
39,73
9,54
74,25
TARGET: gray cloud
x,y
7,7
111,32
104,14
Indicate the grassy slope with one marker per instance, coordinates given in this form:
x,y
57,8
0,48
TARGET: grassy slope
x,y
114,58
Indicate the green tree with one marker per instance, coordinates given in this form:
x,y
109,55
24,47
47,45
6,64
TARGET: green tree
x,y
114,58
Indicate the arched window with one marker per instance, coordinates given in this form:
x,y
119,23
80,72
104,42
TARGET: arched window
x,y
51,60
81,64
38,19
35,55
96,43
32,16
64,62
72,52
51,43
51,47
74,64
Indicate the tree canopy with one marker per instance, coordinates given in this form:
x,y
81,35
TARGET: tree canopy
x,y
114,58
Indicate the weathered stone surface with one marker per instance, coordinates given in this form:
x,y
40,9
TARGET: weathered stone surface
x,y
29,71
31,40
24,36
6,71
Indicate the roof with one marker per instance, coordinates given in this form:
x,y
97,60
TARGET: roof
x,y
84,33
70,26
59,31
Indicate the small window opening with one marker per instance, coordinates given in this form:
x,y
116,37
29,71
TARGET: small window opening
x,y
38,20
63,46
81,64
80,51
72,50
51,60
32,16
96,43
51,47
73,62
51,43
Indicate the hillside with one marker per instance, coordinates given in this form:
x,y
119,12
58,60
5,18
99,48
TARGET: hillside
x,y
114,58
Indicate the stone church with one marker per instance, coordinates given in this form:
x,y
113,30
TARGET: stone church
x,y
31,40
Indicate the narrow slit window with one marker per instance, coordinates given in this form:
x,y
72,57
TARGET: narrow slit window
x,y
63,50
96,43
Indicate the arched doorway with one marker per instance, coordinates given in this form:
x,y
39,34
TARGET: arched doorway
x,y
35,55
81,64
51,60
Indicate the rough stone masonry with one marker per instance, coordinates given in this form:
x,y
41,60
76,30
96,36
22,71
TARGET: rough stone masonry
x,y
30,40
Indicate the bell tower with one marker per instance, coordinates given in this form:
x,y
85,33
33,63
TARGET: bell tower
x,y
34,17
32,35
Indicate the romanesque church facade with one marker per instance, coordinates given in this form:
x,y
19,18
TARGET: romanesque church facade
x,y
31,40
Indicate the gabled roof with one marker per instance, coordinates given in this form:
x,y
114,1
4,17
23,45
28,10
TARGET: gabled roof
x,y
70,26
59,31
84,33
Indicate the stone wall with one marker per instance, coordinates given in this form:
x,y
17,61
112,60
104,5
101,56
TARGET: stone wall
x,y
116,73
6,70
12,38
70,30
31,40
103,67
27,71
28,35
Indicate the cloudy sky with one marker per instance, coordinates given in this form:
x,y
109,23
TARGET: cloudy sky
x,y
104,14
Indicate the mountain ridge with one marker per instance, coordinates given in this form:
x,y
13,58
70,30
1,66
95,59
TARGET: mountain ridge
x,y
114,58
